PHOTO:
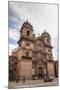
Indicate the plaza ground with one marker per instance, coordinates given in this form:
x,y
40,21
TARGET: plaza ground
x,y
32,83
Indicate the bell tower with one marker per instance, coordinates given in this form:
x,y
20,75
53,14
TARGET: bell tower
x,y
48,47
49,56
26,35
26,42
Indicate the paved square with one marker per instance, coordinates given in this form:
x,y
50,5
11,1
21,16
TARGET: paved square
x,y
32,83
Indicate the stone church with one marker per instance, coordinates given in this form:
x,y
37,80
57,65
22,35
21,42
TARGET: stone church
x,y
33,57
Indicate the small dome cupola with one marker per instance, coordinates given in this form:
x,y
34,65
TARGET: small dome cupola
x,y
46,38
45,34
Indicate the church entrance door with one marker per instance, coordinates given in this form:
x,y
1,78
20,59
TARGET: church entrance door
x,y
40,72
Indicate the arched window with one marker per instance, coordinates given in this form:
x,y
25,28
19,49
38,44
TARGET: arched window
x,y
27,53
49,57
27,44
49,50
28,33
48,40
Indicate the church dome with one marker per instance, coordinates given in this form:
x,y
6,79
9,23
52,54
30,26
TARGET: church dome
x,y
45,34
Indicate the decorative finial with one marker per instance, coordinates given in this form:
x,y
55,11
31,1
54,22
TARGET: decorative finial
x,y
27,21
45,30
39,34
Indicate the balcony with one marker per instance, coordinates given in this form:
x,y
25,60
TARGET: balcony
x,y
29,38
26,57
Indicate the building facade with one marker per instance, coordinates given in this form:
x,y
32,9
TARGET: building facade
x,y
33,56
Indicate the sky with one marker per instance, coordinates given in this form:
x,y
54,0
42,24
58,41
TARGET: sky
x,y
41,16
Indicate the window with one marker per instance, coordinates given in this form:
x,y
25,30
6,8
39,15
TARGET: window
x,y
20,44
33,71
27,53
49,50
27,44
49,57
28,33
48,40
11,62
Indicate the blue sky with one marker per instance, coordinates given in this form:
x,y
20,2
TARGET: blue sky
x,y
41,16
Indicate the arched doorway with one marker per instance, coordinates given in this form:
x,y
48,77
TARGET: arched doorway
x,y
40,72
10,75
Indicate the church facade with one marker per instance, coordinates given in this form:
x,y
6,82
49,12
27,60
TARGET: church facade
x,y
33,57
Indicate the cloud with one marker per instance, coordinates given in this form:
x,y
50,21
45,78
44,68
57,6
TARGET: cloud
x,y
13,34
12,41
11,47
55,47
41,16
44,18
13,22
13,38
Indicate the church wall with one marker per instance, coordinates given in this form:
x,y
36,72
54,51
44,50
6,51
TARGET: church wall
x,y
18,69
24,44
30,52
48,50
26,68
19,54
50,68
